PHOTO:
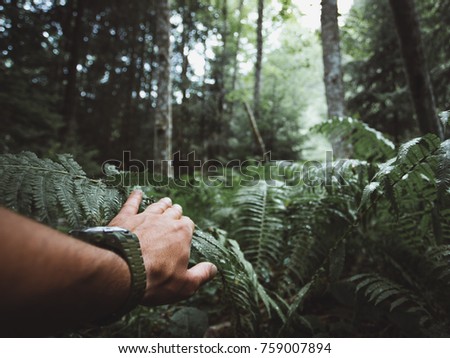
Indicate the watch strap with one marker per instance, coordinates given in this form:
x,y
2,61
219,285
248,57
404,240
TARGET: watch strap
x,y
125,244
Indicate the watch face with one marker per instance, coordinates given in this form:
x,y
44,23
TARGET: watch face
x,y
105,229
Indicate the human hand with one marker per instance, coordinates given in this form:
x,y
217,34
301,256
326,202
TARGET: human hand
x,y
165,236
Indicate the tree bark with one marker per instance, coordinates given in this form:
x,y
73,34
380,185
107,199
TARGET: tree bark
x,y
187,26
14,34
238,46
255,131
334,86
332,59
258,64
408,30
224,59
163,114
219,134
71,94
128,117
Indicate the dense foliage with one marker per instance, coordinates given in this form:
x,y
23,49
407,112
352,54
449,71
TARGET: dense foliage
x,y
95,64
354,249
375,81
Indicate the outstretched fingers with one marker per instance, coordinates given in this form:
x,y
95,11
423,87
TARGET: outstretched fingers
x,y
160,206
175,212
131,206
198,275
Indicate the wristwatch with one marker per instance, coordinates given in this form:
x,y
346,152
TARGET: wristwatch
x,y
125,244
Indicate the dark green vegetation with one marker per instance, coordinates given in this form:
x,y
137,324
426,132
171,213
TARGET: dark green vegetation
x,y
85,81
374,76
360,249
362,253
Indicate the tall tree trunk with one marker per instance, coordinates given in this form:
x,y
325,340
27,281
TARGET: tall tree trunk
x,y
408,30
187,26
334,87
219,134
147,76
332,59
237,49
128,118
224,58
14,37
163,114
56,74
71,95
258,65
256,132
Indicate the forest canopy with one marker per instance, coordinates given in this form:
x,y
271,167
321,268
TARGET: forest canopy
x,y
96,65
82,77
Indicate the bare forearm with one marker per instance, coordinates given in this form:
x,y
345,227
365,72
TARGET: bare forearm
x,y
50,281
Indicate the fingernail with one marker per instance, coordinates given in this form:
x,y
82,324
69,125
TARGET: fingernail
x,y
168,200
213,271
138,191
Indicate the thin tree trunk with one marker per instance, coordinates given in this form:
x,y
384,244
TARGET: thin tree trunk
x,y
148,55
57,74
218,135
334,87
256,131
408,30
258,65
163,115
187,25
71,94
204,140
332,59
238,47
224,57
182,119
15,52
128,117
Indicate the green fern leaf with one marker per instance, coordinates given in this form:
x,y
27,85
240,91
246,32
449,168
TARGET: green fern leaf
x,y
369,194
70,165
380,290
260,225
239,279
366,143
40,187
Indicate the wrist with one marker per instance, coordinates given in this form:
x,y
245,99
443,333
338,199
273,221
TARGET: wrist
x,y
109,282
125,252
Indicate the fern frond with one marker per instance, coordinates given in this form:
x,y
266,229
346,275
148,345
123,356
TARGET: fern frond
x,y
381,291
438,259
315,222
260,226
46,204
412,171
418,150
65,192
70,165
293,315
53,190
240,282
366,142
408,184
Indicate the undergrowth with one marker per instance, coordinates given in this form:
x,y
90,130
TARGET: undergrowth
x,y
360,249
